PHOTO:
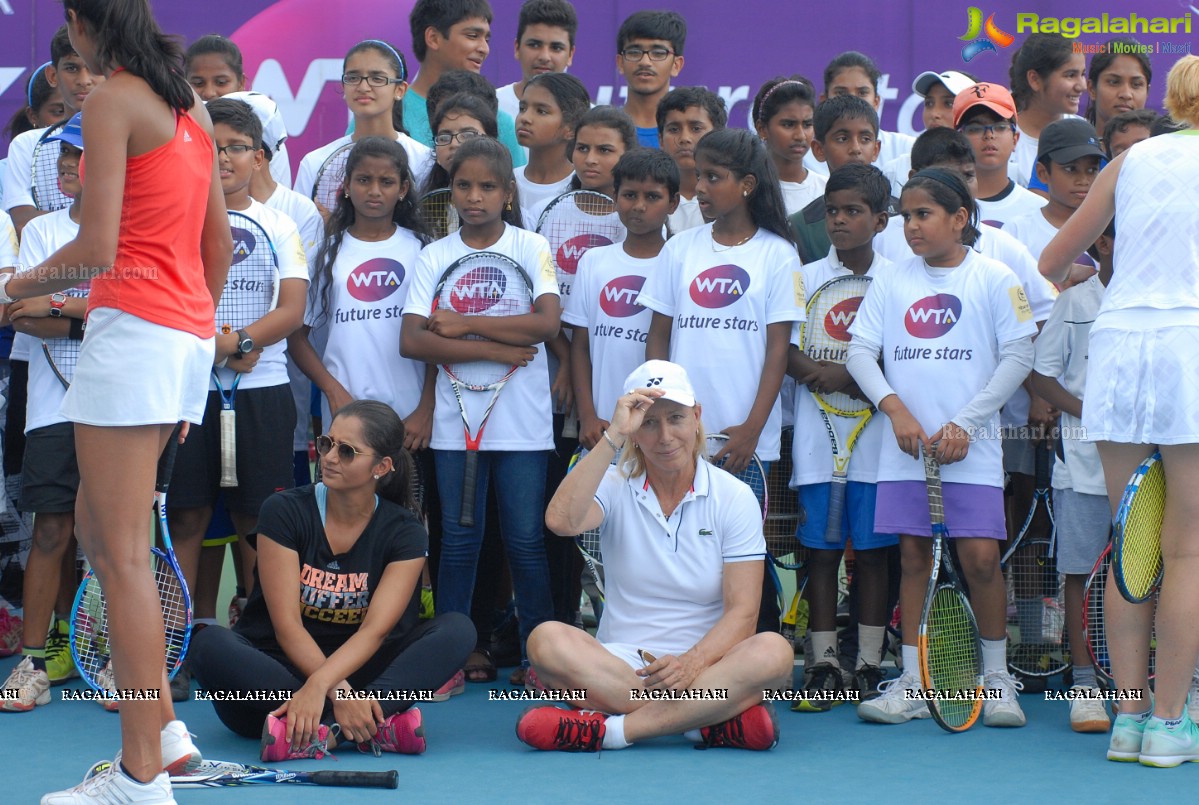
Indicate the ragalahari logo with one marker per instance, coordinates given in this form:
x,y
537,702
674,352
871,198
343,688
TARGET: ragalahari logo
x,y
993,35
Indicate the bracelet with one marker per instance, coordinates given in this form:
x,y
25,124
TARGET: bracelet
x,y
5,278
611,443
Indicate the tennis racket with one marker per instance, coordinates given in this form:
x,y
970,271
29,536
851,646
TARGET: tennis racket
x,y
1137,542
948,644
1093,619
47,193
89,616
330,178
480,284
1035,644
438,211
63,353
573,223
825,338
251,291
782,516
593,557
221,773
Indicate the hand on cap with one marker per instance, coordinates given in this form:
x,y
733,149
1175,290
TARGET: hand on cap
x,y
630,413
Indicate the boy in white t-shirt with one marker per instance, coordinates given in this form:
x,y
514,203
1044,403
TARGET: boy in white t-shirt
x,y
685,115
609,326
545,43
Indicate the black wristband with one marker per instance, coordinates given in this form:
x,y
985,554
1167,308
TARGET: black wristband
x,y
77,328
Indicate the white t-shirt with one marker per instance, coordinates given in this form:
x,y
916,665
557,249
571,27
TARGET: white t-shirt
x,y
604,303
420,162
891,145
521,419
281,165
271,369
1024,159
1035,232
663,577
811,451
1061,353
40,238
940,331
18,189
1014,203
535,197
371,283
686,215
797,195
8,241
302,211
897,171
506,95
722,300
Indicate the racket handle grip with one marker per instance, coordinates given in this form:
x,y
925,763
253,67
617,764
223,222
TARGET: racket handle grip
x,y
228,448
470,475
357,779
166,462
836,508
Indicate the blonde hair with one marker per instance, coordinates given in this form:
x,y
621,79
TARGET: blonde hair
x,y
1182,90
632,461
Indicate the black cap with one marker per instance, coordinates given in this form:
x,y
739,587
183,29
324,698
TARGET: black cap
x,y
1068,139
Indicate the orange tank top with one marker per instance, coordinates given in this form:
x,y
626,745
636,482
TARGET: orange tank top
x,y
158,274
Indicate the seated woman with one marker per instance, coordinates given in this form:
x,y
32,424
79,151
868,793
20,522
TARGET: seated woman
x,y
683,548
353,550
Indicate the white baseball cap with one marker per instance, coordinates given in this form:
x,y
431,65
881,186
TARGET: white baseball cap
x,y
669,378
274,132
954,81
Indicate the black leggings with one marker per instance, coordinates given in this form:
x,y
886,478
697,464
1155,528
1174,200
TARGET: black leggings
x,y
424,659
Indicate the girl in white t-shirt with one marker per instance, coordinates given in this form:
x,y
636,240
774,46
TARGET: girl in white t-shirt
x,y
782,115
549,111
518,433
603,136
458,118
1048,77
954,330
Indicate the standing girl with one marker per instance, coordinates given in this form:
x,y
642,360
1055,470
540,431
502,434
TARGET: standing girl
x,y
518,431
782,115
603,135
373,82
458,118
1117,82
152,198
1047,80
550,109
955,330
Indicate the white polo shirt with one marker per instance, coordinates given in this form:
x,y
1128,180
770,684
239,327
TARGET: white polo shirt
x,y
664,575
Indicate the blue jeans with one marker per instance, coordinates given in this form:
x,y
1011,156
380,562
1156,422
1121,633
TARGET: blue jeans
x,y
520,493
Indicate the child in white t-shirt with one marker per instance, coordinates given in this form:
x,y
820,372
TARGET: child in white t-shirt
x,y
782,113
685,115
549,111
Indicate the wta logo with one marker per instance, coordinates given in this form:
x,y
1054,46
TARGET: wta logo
x,y
837,320
619,297
477,291
375,280
719,286
244,243
933,316
993,35
570,252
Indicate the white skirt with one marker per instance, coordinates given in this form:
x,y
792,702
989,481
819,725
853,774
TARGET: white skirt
x,y
135,372
1143,386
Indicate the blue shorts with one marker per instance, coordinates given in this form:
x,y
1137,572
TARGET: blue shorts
x,y
857,520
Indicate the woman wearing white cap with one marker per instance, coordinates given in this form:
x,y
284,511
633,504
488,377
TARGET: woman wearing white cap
x,y
682,541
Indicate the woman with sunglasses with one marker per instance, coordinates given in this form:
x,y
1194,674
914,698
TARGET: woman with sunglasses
x,y
329,651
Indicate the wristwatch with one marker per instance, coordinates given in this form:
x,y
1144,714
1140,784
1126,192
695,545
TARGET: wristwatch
x,y
57,300
244,343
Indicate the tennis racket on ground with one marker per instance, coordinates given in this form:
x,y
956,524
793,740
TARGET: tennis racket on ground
x,y
47,193
251,291
1035,634
573,223
1137,542
221,773
89,615
438,211
480,284
948,644
330,178
1093,619
825,338
63,353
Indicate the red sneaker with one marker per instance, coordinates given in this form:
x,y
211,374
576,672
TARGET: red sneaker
x,y
554,728
756,728
275,746
403,733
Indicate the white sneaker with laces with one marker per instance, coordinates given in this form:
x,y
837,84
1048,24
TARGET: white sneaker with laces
x,y
1087,712
31,685
1004,711
179,753
895,705
114,787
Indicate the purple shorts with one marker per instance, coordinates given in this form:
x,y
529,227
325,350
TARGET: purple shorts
x,y
971,510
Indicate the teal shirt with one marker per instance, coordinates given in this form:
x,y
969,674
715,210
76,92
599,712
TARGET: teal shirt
x,y
416,121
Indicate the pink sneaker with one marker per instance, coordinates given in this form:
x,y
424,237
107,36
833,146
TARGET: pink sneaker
x,y
275,746
533,683
403,733
11,629
456,685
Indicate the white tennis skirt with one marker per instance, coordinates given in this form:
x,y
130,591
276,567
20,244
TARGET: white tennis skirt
x,y
135,372
1142,386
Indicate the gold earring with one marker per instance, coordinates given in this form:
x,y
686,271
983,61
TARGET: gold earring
x,y
508,206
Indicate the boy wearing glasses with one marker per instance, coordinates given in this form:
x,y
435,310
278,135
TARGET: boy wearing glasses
x,y
649,52
986,114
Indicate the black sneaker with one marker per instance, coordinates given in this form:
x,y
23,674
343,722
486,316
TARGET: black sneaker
x,y
866,681
825,689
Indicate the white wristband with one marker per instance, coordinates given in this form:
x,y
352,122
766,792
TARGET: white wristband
x,y
5,278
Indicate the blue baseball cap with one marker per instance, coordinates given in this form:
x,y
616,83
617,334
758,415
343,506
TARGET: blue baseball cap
x,y
71,133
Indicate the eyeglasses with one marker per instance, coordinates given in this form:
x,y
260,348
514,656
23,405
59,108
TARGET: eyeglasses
x,y
655,54
345,453
374,79
979,129
235,150
461,137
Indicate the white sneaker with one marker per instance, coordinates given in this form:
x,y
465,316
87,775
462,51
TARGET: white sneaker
x,y
1088,713
1004,711
179,754
894,705
31,688
112,787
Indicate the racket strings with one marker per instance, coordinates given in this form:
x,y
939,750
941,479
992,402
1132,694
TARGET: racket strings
x,y
175,615
575,223
1138,547
47,193
483,288
89,630
951,656
438,211
825,335
250,285
63,353
1040,608
331,178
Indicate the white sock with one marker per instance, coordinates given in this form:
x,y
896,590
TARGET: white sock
x,y
1084,675
870,645
695,736
824,646
614,733
994,656
911,661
